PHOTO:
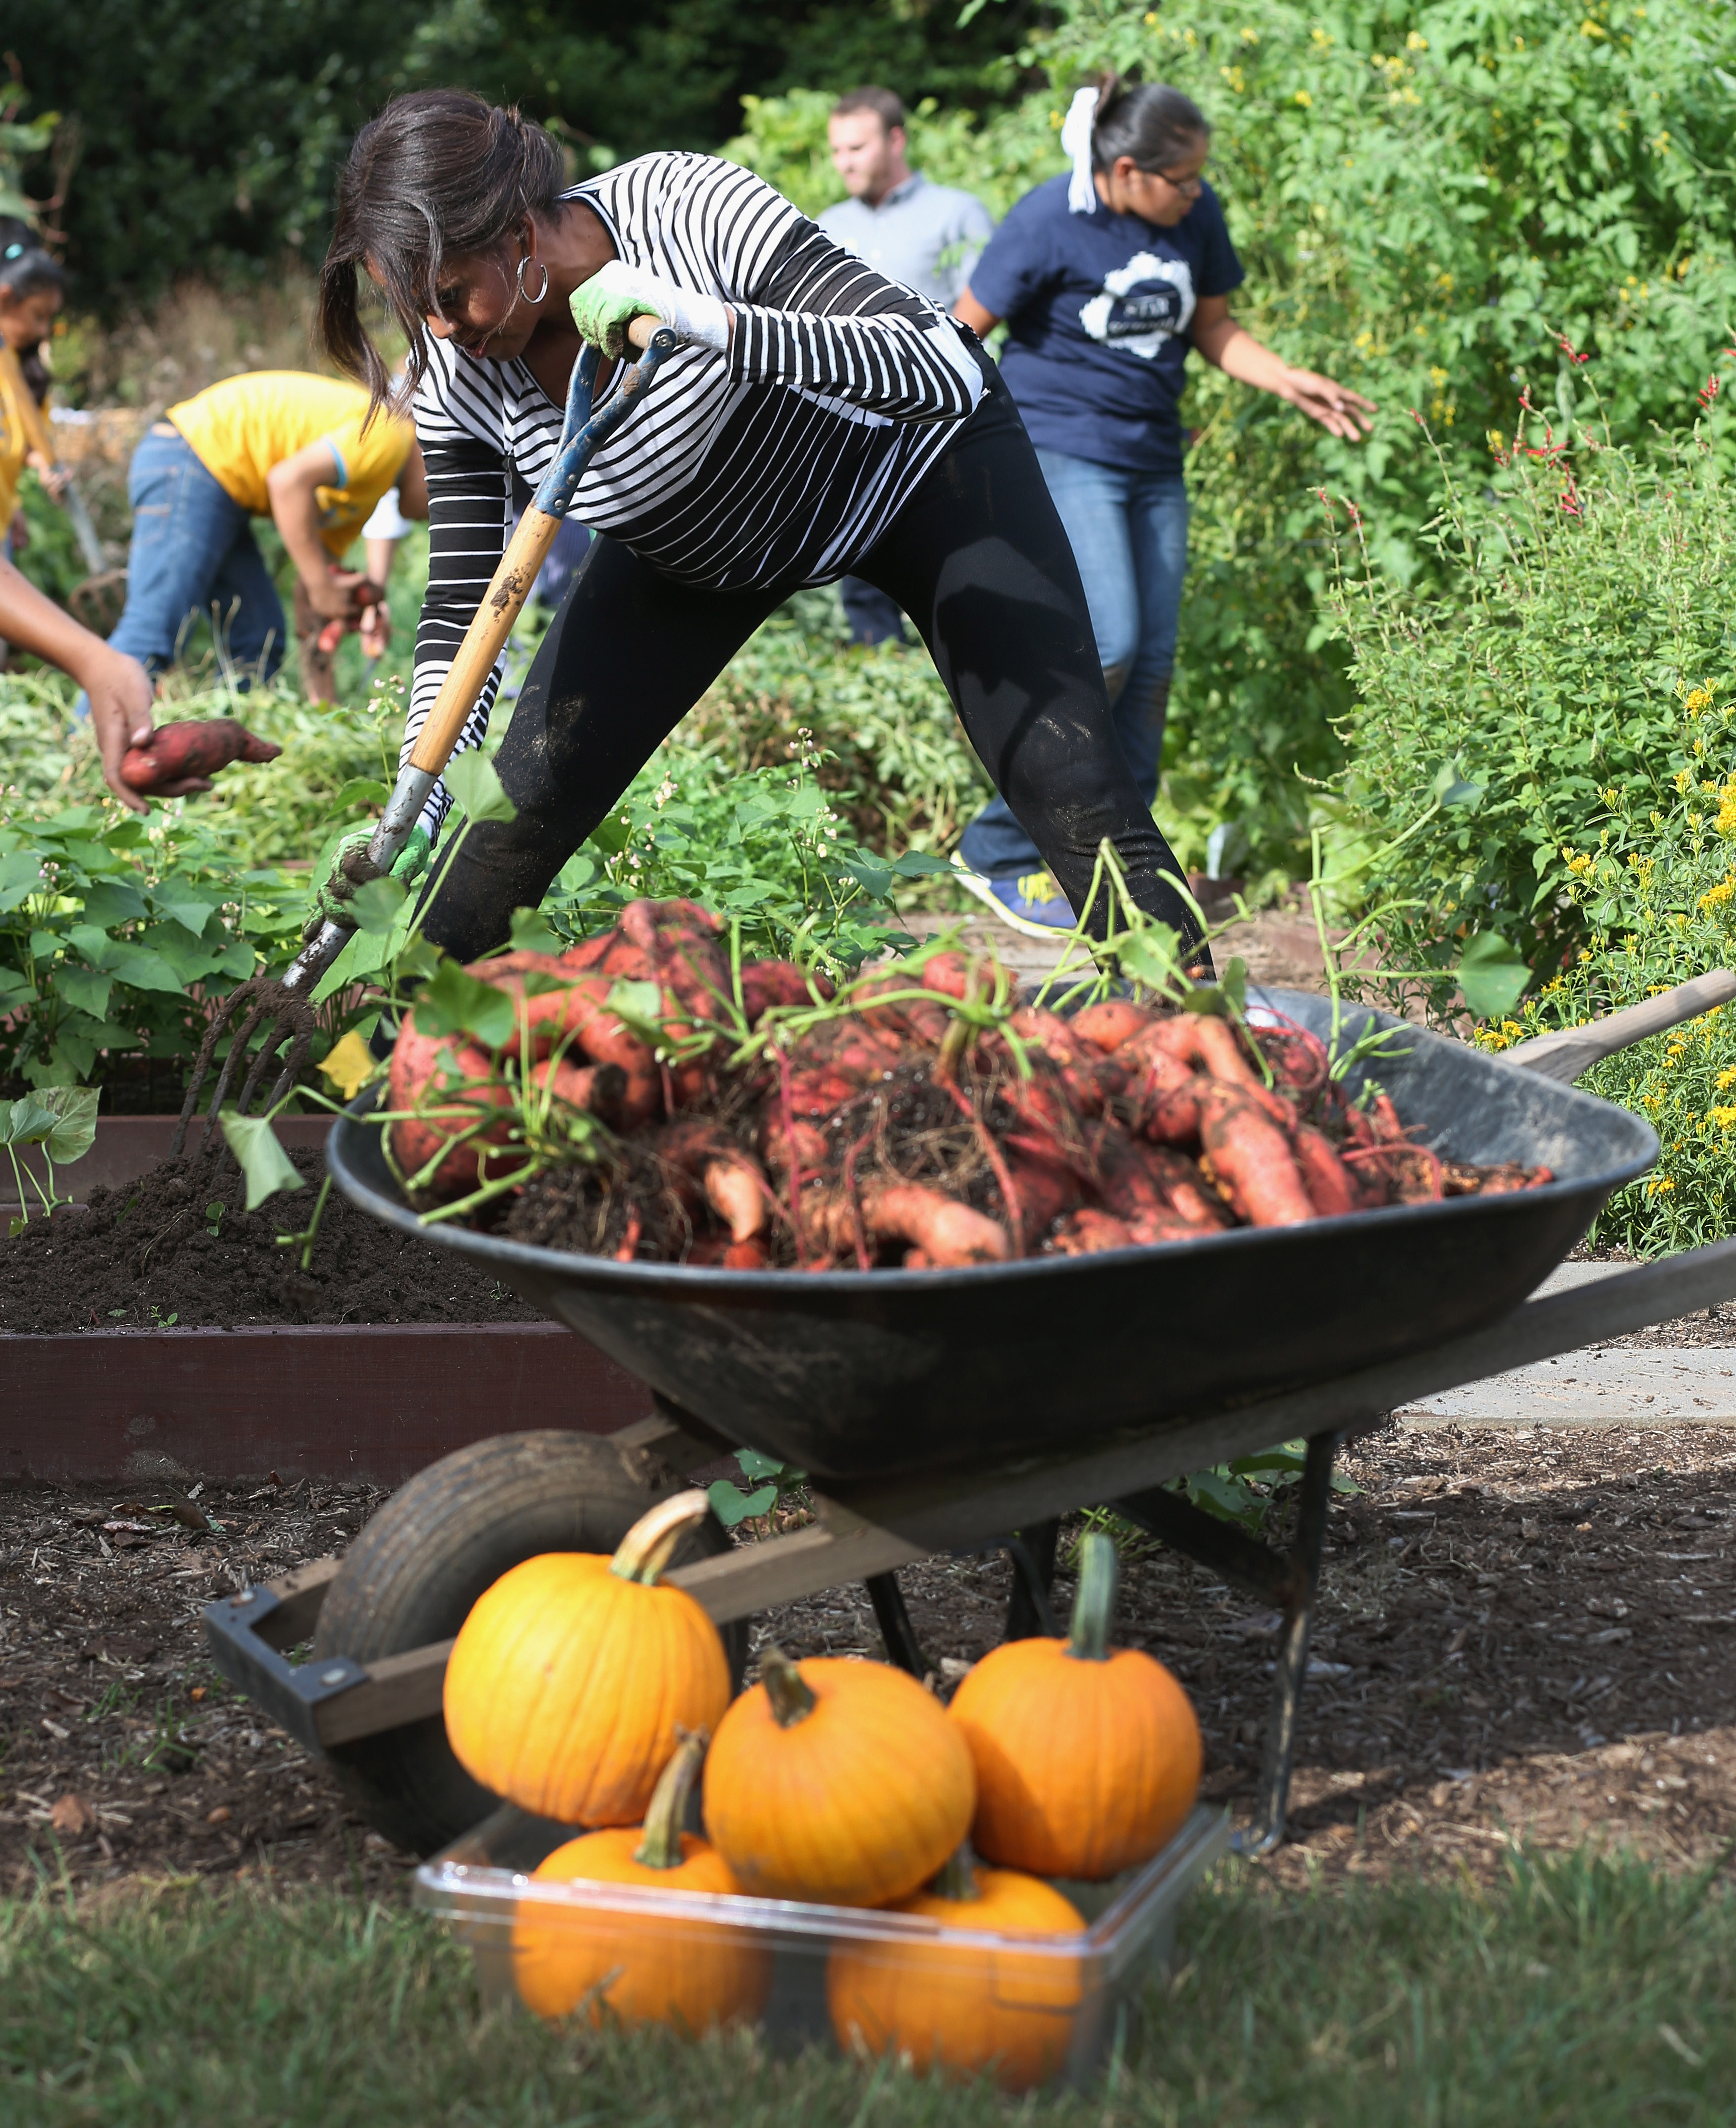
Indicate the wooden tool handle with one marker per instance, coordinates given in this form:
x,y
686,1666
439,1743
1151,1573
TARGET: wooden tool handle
x,y
1576,1049
496,618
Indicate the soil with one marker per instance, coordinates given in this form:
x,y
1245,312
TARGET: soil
x,y
1521,1636
150,1254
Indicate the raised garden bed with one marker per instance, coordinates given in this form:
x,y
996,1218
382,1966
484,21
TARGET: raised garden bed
x,y
146,1334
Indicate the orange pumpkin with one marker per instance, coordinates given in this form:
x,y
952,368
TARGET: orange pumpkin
x,y
568,1680
960,2007
837,1781
641,1969
1087,1758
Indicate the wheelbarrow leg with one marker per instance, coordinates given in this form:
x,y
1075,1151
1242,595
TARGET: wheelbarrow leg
x,y
1267,1829
1031,1553
902,1646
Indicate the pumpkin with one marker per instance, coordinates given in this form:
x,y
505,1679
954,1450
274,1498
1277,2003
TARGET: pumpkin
x,y
641,1969
837,1781
1087,1758
570,1677
960,2007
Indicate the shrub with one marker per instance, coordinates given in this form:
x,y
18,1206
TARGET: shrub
x,y
1581,600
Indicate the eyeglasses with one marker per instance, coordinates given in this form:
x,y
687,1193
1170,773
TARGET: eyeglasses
x,y
1185,188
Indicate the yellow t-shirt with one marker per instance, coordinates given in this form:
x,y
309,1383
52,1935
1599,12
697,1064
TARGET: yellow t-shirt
x,y
241,427
14,436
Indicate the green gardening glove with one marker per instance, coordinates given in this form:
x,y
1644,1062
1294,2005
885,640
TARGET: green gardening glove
x,y
413,859
605,305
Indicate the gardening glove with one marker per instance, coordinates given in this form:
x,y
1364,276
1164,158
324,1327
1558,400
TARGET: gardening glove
x,y
330,896
413,859
605,305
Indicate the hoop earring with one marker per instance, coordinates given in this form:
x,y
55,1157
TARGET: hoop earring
x,y
524,295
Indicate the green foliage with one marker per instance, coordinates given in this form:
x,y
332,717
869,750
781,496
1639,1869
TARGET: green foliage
x,y
110,929
1574,605
212,132
763,847
1651,878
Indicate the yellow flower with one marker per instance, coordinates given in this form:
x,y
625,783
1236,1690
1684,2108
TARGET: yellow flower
x,y
1660,1184
1724,1117
1700,698
1588,28
1250,36
1417,42
1612,796
1714,897
1304,99
1725,1080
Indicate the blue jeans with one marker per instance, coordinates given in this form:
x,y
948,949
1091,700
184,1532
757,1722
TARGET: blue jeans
x,y
1129,533
193,550
873,617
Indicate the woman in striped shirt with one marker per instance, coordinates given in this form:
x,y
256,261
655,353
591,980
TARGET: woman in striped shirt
x,y
817,420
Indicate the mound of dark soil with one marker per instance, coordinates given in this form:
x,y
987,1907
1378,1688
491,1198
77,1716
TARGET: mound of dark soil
x,y
153,1253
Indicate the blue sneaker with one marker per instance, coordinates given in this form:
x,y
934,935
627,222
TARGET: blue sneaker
x,y
1029,902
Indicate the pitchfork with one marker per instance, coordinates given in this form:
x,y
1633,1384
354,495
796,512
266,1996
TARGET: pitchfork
x,y
282,1004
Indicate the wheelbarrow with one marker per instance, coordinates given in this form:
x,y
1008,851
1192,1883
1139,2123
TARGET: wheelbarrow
x,y
968,1411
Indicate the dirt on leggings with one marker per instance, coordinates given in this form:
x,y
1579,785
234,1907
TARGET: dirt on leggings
x,y
155,1252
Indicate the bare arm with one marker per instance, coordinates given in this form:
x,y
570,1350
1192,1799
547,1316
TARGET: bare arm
x,y
119,687
1235,350
295,509
969,312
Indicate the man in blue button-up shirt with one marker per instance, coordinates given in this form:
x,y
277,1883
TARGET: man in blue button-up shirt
x,y
927,236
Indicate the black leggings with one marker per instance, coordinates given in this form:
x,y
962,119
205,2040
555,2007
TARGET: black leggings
x,y
978,559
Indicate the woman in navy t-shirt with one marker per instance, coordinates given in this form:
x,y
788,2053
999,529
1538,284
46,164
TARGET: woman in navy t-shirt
x,y
1105,278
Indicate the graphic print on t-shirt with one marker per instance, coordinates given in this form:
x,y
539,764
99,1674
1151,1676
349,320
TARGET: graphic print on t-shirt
x,y
1143,304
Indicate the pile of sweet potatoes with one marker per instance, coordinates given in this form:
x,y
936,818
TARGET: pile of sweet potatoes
x,y
908,1123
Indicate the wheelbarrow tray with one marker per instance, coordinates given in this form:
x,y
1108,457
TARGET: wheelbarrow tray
x,y
854,1374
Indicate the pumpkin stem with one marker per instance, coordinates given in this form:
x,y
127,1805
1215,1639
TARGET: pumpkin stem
x,y
791,1699
661,1848
650,1545
956,1876
1093,1603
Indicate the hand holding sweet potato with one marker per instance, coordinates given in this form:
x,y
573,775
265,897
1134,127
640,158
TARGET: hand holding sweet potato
x,y
183,757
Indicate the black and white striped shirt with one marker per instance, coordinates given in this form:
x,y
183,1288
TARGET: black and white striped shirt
x,y
778,463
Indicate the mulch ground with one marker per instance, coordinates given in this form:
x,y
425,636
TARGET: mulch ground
x,y
178,1246
1520,1636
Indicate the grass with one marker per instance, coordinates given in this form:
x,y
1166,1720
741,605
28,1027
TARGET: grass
x,y
1581,1990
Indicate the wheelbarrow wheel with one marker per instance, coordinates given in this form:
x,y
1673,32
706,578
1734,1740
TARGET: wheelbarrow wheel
x,y
415,1570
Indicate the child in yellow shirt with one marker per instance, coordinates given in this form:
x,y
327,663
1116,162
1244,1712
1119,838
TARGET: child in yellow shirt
x,y
295,448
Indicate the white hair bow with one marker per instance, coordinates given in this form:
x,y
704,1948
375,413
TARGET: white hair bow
x,y
1076,142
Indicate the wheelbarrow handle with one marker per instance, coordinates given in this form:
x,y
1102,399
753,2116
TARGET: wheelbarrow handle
x,y
1576,1049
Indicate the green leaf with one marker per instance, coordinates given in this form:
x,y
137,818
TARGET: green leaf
x,y
610,835
143,969
361,791
637,1006
376,905
454,1002
28,1122
193,910
76,1132
531,935
1492,976
1452,786
753,1464
731,1505
84,989
106,903
1151,956
472,781
261,1158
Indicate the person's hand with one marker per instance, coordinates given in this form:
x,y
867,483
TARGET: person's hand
x,y
56,479
122,697
376,630
340,595
604,306
1335,406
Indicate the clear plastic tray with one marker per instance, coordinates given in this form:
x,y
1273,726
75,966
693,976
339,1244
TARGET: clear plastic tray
x,y
1069,1998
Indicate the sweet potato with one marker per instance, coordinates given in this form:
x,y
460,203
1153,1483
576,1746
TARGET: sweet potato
x,y
1088,1076
1250,1155
735,1186
950,1233
921,1019
1045,1190
1089,1231
1331,1191
197,746
768,983
449,1085
1107,1026
1187,1194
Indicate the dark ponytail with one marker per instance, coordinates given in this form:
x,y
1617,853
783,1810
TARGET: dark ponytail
x,y
439,173
1155,124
